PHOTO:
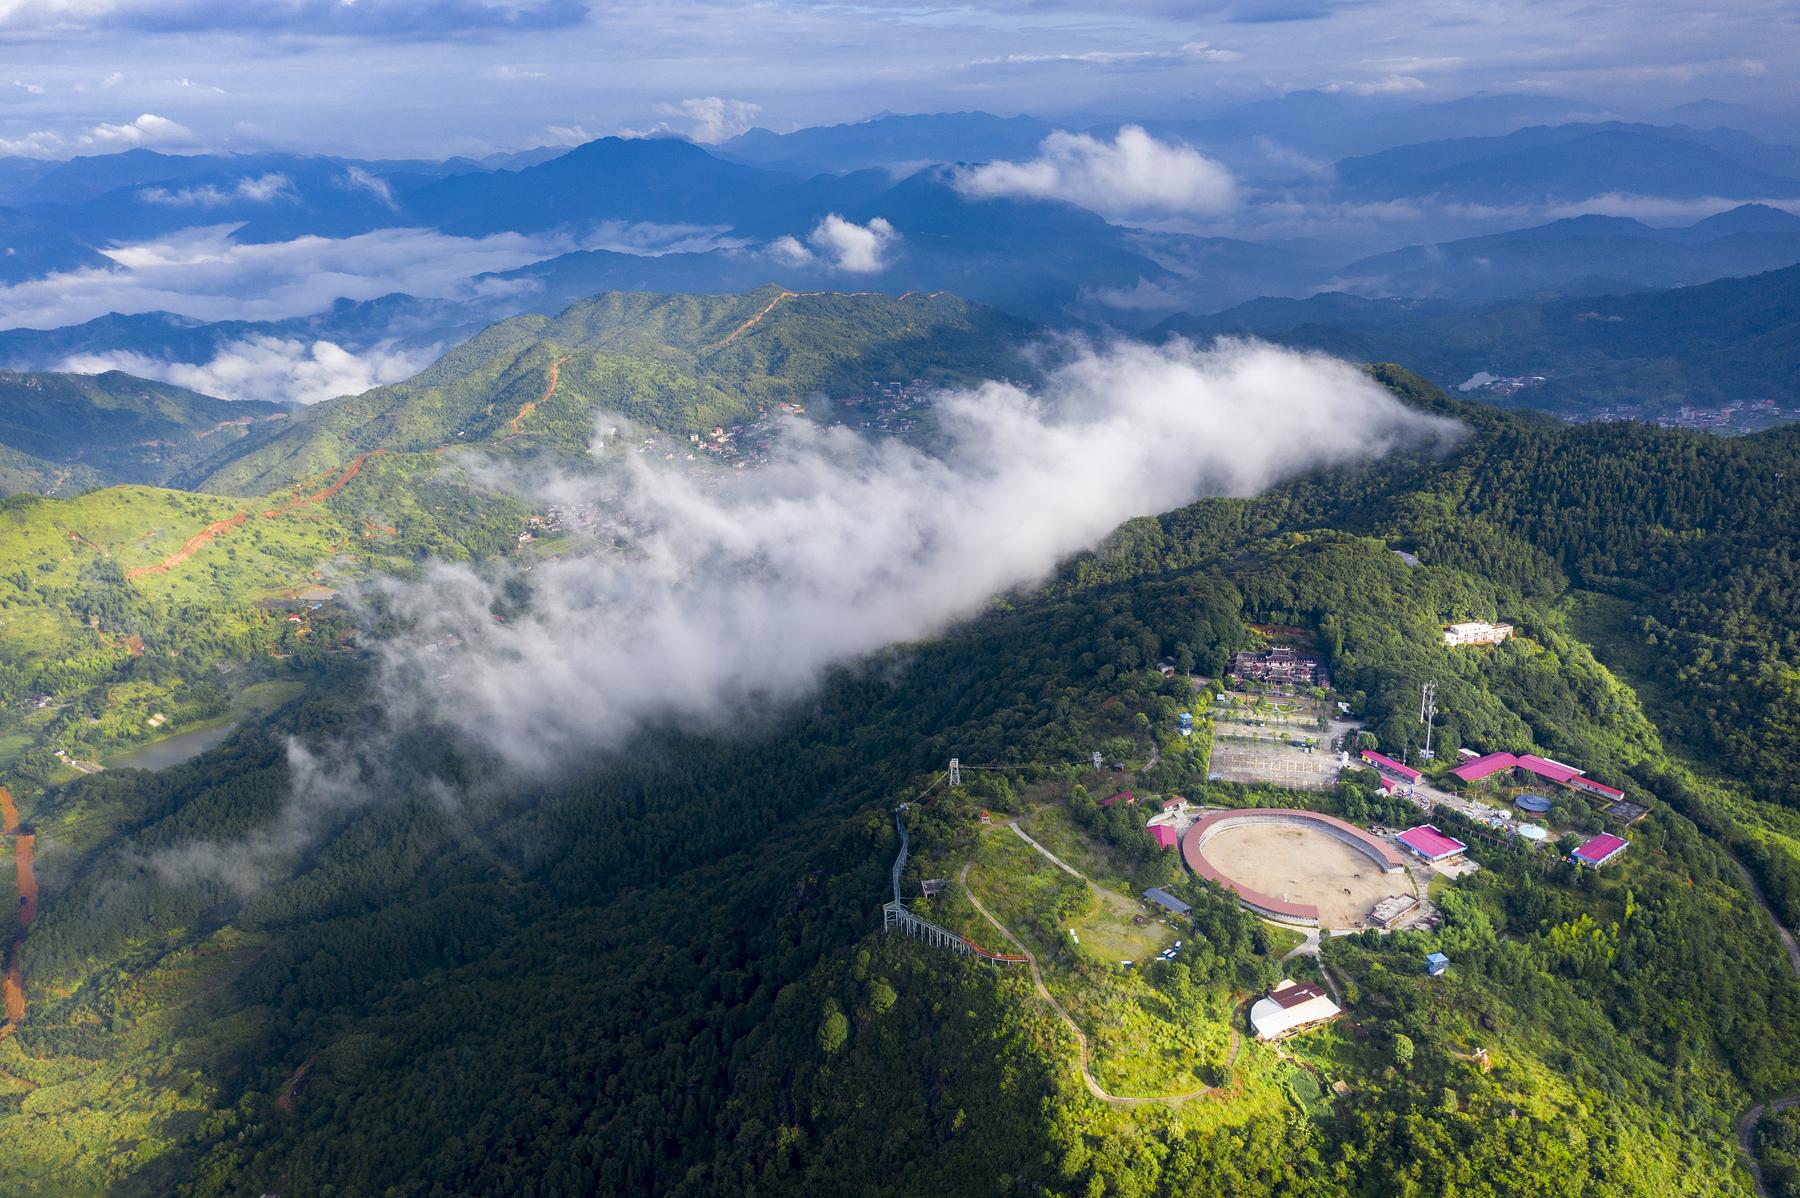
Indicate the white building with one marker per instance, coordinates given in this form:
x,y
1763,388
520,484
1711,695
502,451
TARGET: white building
x,y
1290,1007
1476,632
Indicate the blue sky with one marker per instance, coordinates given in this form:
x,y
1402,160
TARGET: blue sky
x,y
432,77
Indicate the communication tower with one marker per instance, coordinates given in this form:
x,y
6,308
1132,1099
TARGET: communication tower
x,y
1427,715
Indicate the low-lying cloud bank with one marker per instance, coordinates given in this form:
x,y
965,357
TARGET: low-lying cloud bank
x,y
281,369
202,273
1133,176
739,595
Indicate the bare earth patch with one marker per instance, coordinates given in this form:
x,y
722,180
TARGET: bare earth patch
x,y
1304,865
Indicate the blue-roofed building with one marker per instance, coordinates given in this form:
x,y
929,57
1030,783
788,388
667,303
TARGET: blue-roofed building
x,y
1167,901
1436,964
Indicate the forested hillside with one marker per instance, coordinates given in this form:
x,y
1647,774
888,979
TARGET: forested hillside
x,y
679,363
662,972
116,428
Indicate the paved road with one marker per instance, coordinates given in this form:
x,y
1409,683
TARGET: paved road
x,y
1081,1040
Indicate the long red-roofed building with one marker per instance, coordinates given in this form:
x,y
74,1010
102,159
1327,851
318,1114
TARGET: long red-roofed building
x,y
1482,767
1545,767
1389,765
1598,788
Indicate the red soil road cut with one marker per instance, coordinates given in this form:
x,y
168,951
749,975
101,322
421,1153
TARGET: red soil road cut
x,y
12,989
189,547
199,540
526,409
757,319
343,480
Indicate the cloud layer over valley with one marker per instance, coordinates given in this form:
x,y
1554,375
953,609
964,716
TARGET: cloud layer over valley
x,y
739,593
282,369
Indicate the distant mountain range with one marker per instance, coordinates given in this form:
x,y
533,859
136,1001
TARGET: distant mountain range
x,y
1705,345
1583,255
742,216
1576,162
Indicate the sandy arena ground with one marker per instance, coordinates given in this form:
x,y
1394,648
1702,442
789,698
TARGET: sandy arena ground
x,y
1305,865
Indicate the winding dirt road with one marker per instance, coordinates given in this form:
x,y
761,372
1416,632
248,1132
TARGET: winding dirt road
x,y
1081,1040
754,320
218,528
527,409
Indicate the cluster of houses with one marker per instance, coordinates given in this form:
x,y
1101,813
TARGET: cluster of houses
x,y
1612,800
1281,665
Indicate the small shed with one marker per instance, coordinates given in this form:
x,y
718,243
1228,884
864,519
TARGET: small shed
x,y
1436,964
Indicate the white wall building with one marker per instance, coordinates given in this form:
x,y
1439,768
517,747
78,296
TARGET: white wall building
x,y
1290,1007
1476,632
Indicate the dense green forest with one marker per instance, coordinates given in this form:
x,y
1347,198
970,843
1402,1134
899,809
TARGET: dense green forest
x,y
296,966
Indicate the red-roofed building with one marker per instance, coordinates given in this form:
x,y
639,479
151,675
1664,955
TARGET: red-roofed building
x,y
1124,796
1431,844
1388,765
1613,794
1164,835
1174,803
1600,849
1482,767
1389,784
1544,767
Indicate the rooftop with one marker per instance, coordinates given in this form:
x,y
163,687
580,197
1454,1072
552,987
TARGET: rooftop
x,y
1292,996
1482,767
1545,767
1430,843
1380,761
1599,849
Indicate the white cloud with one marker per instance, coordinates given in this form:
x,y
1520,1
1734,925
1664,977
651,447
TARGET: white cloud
x,y
1189,52
357,179
839,244
30,89
1389,85
282,369
204,274
258,189
147,130
565,135
740,595
1134,175
512,73
715,119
